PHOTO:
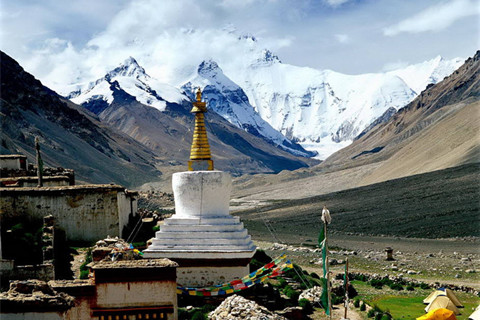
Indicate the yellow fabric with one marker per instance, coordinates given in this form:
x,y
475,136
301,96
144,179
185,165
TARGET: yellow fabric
x,y
442,302
439,314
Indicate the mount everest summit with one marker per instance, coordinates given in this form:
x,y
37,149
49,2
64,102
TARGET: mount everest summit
x,y
288,106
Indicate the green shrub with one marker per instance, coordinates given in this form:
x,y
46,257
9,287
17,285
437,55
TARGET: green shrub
x,y
155,228
424,286
291,293
306,306
378,316
386,316
396,286
282,283
377,284
371,313
410,288
207,308
314,275
363,307
84,274
198,315
356,303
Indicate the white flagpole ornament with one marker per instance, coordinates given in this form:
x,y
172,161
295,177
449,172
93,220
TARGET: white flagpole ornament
x,y
326,218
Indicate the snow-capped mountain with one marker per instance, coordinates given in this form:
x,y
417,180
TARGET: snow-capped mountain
x,y
133,79
230,101
418,76
321,110
325,110
224,96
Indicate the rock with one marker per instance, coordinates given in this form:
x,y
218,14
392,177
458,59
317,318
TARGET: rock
x,y
470,271
236,307
411,272
312,294
458,276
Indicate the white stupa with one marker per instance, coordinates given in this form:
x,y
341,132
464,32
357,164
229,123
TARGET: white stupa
x,y
210,245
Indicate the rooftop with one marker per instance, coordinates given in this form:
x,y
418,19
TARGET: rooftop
x,y
131,264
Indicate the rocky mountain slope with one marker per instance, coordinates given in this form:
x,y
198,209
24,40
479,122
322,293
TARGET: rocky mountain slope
x,y
69,137
438,130
98,143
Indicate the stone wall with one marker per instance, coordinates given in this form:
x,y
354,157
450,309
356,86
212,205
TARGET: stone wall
x,y
86,213
33,316
207,276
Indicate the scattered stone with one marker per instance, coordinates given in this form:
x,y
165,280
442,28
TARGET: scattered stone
x,y
312,294
470,271
236,307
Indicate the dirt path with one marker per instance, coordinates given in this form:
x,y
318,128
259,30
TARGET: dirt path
x,y
337,314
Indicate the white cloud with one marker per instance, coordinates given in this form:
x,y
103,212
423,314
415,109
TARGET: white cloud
x,y
336,3
342,38
436,17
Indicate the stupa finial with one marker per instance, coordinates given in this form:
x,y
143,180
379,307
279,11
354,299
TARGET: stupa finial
x,y
200,157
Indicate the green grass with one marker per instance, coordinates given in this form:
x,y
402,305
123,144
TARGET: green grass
x,y
408,305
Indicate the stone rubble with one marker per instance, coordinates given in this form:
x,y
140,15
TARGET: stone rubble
x,y
313,294
236,307
34,294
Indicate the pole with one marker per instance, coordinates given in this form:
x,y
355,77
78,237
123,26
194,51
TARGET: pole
x,y
39,163
328,272
346,287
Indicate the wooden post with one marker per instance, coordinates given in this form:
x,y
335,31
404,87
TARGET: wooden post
x,y
39,163
346,287
328,272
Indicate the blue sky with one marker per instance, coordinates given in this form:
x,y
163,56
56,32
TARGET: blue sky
x,y
58,40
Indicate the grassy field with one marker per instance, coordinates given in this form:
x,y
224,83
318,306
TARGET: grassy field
x,y
408,305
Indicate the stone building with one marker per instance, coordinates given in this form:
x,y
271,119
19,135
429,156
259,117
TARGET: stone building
x,y
124,289
85,212
16,171
210,245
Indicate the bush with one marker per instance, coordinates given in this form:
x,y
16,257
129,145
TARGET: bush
x,y
363,307
84,274
198,315
371,313
378,316
282,283
356,303
314,275
377,284
424,286
396,286
291,293
386,316
410,288
306,306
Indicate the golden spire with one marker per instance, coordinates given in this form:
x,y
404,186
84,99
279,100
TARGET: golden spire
x,y
200,158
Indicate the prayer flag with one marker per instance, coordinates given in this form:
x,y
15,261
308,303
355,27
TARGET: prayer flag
x,y
324,296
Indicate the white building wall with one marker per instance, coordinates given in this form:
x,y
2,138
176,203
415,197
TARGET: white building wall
x,y
84,215
12,163
32,316
208,276
138,294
